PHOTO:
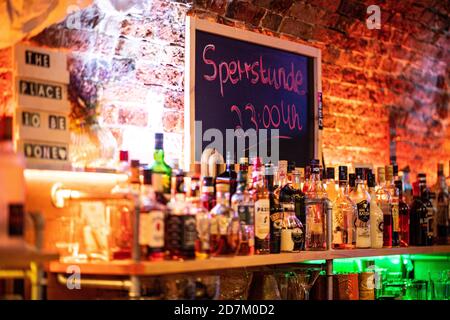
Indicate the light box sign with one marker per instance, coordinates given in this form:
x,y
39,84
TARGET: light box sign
x,y
40,63
42,95
42,125
45,155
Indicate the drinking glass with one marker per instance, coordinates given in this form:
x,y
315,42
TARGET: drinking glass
x,y
417,290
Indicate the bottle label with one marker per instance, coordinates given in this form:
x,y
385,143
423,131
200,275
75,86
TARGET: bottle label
x,y
262,213
214,228
174,231
157,182
246,213
363,208
223,223
395,218
16,220
203,231
189,232
156,237
287,242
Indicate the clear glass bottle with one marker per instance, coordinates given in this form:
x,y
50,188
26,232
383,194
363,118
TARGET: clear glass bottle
x,y
151,228
343,212
315,236
361,198
161,170
376,216
260,195
384,202
242,203
331,187
403,212
394,205
221,217
203,225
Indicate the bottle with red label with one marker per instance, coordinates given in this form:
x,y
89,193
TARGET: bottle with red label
x,y
151,230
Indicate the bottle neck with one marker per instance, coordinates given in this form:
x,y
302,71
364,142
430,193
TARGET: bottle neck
x,y
343,187
158,155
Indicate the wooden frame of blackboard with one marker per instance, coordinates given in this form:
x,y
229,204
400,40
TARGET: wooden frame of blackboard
x,y
192,25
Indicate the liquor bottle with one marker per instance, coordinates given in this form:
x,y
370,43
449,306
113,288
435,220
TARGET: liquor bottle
x,y
208,197
135,176
343,212
124,164
307,179
203,224
403,213
361,198
316,227
243,165
242,203
442,206
351,182
12,186
376,216
292,231
221,217
260,195
417,225
407,186
299,199
276,209
393,191
151,228
384,202
181,226
331,187
162,173
431,210
229,175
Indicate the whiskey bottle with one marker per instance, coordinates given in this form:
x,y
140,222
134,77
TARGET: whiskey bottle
x,y
384,202
208,197
221,217
151,228
331,187
229,175
162,172
316,205
431,210
343,212
376,216
260,195
361,198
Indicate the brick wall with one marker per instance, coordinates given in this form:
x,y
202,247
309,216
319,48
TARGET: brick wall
x,y
383,89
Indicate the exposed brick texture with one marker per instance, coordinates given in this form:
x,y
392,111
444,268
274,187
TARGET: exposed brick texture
x,y
381,88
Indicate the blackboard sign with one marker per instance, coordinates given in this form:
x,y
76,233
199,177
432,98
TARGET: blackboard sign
x,y
238,81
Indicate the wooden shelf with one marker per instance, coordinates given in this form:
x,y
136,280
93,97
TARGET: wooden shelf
x,y
148,268
20,257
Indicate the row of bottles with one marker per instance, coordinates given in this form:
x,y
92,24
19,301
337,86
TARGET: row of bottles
x,y
262,209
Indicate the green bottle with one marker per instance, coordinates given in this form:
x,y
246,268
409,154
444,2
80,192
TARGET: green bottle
x,y
161,172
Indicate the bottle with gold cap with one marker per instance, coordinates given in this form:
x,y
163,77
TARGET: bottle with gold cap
x,y
384,202
393,191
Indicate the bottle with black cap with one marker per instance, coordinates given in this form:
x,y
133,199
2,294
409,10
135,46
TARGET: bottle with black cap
x,y
151,228
12,187
361,198
344,209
